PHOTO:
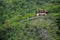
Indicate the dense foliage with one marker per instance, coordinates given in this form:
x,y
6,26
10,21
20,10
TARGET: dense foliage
x,y
12,11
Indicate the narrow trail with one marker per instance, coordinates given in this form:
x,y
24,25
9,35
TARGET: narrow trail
x,y
29,19
43,33
35,17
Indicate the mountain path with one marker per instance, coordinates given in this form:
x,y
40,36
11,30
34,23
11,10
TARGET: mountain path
x,y
43,33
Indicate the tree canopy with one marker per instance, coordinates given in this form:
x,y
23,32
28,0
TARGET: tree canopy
x,y
13,11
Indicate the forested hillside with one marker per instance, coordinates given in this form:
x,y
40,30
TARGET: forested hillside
x,y
18,20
